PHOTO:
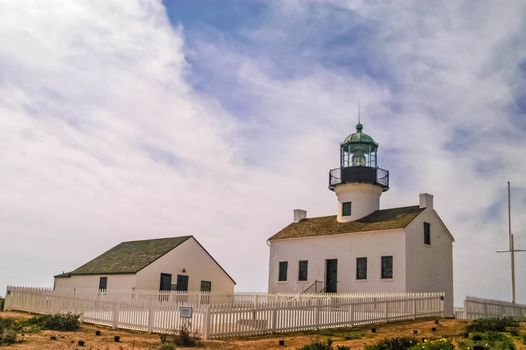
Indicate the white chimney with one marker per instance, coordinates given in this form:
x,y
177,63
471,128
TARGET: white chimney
x,y
426,200
299,214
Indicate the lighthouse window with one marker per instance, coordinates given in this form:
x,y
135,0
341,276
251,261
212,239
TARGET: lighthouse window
x,y
303,270
283,265
346,208
427,233
387,267
361,268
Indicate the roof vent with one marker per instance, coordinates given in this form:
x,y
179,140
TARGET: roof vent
x,y
426,200
299,214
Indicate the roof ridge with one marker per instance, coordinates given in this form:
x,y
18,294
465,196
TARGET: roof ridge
x,y
156,239
404,207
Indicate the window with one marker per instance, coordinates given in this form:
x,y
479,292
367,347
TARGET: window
x,y
206,286
361,268
103,283
303,272
283,265
387,267
427,233
346,208
182,283
166,281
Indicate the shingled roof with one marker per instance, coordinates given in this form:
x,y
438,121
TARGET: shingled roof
x,y
386,219
128,257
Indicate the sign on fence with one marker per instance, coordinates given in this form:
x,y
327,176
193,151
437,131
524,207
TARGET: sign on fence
x,y
185,312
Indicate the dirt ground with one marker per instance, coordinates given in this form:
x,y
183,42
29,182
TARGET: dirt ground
x,y
130,340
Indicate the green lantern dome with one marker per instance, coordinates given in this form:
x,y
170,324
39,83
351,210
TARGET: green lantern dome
x,y
359,140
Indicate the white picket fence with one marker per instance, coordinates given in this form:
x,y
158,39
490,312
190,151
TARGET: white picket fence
x,y
477,308
243,314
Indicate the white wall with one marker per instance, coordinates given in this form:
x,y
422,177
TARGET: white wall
x,y
92,282
197,265
346,248
430,267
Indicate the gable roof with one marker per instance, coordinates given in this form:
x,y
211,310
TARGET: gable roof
x,y
128,257
385,219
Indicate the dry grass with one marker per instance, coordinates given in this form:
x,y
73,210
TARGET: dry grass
x,y
142,341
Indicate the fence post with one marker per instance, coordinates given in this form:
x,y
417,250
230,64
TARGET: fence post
x,y
352,314
274,317
151,317
317,314
466,315
386,311
115,310
414,309
206,325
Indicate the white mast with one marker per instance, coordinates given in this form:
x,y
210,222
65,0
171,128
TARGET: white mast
x,y
512,249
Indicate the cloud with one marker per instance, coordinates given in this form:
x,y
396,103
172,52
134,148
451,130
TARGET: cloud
x,y
116,124
96,121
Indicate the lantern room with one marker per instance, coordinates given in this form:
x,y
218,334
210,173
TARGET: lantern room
x,y
358,162
358,149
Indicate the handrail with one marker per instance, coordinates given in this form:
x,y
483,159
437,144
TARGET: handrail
x,y
376,176
315,285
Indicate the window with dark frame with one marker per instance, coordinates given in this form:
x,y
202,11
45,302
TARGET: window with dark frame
x,y
283,266
427,233
303,270
103,283
206,286
361,268
387,267
346,208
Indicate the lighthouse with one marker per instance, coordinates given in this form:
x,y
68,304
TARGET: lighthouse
x,y
364,249
358,182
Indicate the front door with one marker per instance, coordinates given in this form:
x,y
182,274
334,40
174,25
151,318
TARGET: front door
x,y
166,281
331,275
182,283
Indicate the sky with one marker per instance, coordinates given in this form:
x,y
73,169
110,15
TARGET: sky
x,y
136,119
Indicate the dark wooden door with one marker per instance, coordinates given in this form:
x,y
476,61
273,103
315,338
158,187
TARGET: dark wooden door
x,y
182,282
331,275
166,281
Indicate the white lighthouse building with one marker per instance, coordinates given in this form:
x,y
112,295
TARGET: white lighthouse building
x,y
363,248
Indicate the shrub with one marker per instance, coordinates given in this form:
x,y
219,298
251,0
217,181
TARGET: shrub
x,y
57,322
183,337
2,303
319,345
494,324
8,331
438,344
488,341
402,343
167,346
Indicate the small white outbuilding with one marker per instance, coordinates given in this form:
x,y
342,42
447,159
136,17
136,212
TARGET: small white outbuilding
x,y
174,263
364,248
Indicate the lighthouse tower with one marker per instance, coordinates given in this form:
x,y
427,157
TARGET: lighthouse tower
x,y
358,182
